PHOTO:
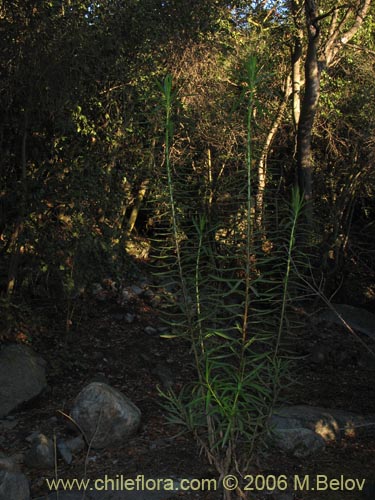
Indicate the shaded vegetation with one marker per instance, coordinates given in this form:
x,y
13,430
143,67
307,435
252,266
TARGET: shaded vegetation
x,y
103,154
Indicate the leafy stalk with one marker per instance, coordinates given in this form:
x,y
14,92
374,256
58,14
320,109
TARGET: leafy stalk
x,y
296,209
234,298
168,98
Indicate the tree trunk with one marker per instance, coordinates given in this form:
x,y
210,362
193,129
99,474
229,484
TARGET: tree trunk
x,y
137,205
15,244
262,166
296,78
341,31
308,108
142,190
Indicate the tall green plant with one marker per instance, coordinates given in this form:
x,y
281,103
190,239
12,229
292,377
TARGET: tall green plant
x,y
231,297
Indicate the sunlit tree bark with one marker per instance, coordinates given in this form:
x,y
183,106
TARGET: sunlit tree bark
x,y
345,21
309,102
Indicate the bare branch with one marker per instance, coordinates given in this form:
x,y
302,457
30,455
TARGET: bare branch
x,y
336,39
361,14
361,49
334,10
333,25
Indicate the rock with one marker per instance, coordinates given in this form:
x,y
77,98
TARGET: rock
x,y
69,447
76,444
41,454
303,430
357,318
299,442
13,486
32,437
163,329
150,330
64,451
129,317
330,424
136,289
105,415
126,296
22,377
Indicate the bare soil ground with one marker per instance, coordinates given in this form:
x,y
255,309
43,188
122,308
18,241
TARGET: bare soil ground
x,y
105,345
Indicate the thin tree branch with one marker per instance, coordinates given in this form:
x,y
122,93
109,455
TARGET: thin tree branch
x,y
334,10
336,39
361,49
361,14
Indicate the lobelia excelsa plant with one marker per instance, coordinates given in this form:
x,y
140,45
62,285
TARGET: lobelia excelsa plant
x,y
231,292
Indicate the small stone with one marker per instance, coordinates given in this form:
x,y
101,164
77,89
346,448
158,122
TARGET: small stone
x,y
129,317
150,330
65,452
136,289
126,296
31,437
41,454
163,329
76,444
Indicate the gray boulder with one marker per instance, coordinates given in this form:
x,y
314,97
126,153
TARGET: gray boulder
x,y
22,377
13,484
357,318
330,424
303,430
41,454
300,443
106,417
